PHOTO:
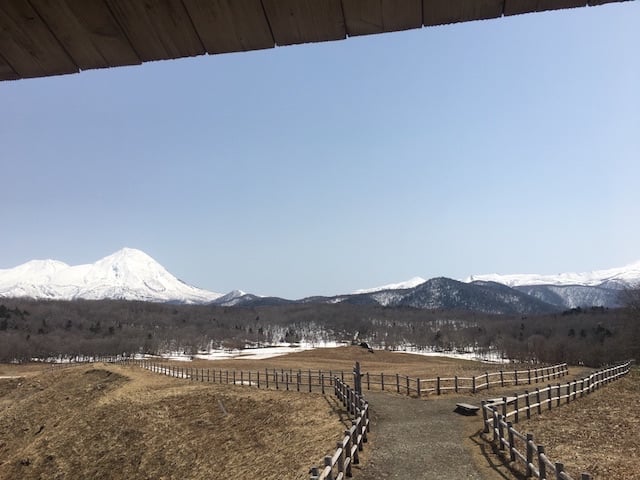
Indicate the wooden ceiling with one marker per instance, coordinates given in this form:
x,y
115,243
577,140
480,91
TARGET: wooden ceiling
x,y
53,37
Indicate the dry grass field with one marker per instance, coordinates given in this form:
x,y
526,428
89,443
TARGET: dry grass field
x,y
599,433
343,358
111,422
108,422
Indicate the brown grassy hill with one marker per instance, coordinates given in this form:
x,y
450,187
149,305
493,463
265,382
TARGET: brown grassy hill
x,y
111,422
598,434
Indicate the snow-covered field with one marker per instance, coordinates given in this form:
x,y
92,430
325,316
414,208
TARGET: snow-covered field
x,y
258,353
250,353
487,357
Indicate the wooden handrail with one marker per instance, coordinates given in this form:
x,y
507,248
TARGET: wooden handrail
x,y
495,414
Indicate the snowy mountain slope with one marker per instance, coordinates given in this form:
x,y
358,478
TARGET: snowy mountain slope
x,y
628,275
570,290
486,297
128,274
413,282
572,296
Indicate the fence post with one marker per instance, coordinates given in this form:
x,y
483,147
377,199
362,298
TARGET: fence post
x,y
515,404
515,374
528,404
512,453
347,448
542,465
456,384
529,455
485,420
417,385
398,382
501,378
486,376
559,470
500,432
538,400
382,380
340,458
408,391
354,441
322,380
473,384
529,375
438,386
327,463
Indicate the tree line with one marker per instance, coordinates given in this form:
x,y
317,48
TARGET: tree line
x,y
49,329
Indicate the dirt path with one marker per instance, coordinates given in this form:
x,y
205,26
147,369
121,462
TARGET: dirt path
x,y
424,439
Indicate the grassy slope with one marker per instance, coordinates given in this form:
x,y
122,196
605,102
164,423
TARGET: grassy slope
x,y
114,422
598,434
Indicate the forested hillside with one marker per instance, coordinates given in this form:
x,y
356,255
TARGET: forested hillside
x,y
47,329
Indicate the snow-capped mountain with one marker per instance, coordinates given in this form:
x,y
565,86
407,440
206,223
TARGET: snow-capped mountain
x,y
413,282
235,297
128,274
621,277
571,290
131,274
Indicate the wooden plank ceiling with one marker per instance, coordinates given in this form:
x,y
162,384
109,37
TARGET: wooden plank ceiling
x,y
52,37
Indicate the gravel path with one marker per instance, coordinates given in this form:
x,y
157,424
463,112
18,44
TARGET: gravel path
x,y
422,439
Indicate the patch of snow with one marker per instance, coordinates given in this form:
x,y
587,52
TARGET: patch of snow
x,y
252,353
628,275
486,357
411,283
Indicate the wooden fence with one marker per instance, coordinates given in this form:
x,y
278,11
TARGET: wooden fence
x,y
521,447
319,380
338,465
279,379
440,385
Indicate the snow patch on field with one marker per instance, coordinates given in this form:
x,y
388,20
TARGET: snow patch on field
x,y
486,357
251,353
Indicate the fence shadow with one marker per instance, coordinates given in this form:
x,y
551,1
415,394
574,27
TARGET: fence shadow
x,y
490,455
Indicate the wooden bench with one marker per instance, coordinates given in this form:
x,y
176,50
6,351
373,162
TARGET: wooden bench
x,y
466,409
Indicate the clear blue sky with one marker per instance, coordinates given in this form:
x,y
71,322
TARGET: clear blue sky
x,y
509,146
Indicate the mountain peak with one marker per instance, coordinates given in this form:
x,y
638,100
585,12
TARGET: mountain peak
x,y
128,274
128,254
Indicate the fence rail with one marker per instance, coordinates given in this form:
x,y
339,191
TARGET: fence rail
x,y
319,380
338,465
473,384
521,447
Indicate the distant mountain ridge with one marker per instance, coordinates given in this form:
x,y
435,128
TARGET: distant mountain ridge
x,y
571,290
626,276
131,274
413,282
